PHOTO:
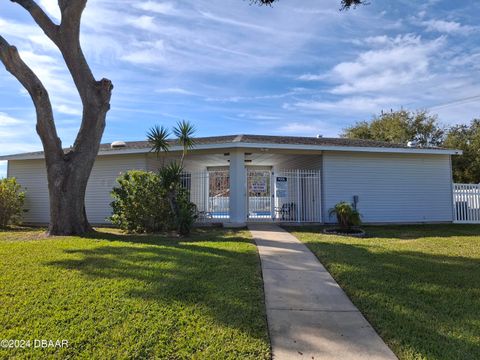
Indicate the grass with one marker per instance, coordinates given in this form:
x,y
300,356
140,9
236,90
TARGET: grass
x,y
419,286
114,296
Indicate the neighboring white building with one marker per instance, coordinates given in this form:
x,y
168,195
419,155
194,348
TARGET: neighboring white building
x,y
241,178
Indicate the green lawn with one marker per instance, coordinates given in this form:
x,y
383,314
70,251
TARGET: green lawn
x,y
126,297
419,286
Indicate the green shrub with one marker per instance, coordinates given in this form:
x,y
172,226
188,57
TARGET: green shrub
x,y
187,213
139,203
11,202
183,210
146,202
347,216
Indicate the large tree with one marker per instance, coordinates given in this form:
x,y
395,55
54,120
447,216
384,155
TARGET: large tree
x,y
399,127
466,168
68,171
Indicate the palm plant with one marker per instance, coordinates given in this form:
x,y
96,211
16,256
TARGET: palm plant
x,y
157,136
347,216
171,174
184,132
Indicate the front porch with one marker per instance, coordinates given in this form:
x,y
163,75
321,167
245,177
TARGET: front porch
x,y
240,186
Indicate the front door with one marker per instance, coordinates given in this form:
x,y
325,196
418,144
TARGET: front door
x,y
259,195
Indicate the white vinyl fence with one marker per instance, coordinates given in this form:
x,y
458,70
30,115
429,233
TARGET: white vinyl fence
x,y
466,203
209,191
283,196
297,196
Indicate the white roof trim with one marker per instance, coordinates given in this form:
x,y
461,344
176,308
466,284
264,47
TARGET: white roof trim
x,y
235,145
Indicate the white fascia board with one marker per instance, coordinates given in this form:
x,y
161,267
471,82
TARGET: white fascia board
x,y
231,145
353,149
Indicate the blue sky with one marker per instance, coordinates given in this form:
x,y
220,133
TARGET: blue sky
x,y
230,67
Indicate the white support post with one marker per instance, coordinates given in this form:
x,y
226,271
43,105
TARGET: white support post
x,y
238,206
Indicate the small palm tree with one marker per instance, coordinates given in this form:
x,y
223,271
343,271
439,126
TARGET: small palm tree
x,y
171,174
157,136
184,132
347,216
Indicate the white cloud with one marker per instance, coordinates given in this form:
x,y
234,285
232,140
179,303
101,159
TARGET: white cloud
x,y
144,22
174,90
448,27
236,99
68,110
349,105
399,61
16,136
388,63
165,8
244,24
222,40
6,120
148,53
312,77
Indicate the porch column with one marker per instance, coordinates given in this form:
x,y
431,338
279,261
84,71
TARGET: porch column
x,y
238,206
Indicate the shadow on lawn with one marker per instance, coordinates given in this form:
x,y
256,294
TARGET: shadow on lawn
x,y
425,305
210,235
405,232
223,281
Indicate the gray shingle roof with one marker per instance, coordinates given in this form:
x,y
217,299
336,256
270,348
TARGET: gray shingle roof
x,y
256,139
269,139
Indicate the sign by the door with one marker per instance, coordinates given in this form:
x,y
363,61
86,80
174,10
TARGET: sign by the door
x,y
281,187
259,186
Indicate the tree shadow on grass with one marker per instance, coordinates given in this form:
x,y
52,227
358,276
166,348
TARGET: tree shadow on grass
x,y
423,305
406,232
209,270
197,235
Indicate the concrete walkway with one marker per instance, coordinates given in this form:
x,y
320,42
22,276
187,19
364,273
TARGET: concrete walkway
x,y
309,315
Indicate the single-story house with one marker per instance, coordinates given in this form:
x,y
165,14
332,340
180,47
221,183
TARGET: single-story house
x,y
240,178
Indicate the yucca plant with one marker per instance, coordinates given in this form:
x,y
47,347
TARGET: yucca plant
x,y
347,216
170,175
184,132
157,136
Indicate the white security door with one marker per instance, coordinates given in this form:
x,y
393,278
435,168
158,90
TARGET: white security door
x,y
297,196
259,195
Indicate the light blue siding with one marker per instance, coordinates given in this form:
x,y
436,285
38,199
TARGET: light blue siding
x,y
391,187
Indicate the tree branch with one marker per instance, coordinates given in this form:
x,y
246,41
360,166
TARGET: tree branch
x,y
70,47
41,18
45,124
95,95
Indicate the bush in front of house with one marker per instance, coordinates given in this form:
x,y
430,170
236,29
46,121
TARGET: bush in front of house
x,y
12,199
187,213
184,212
146,202
139,204
347,216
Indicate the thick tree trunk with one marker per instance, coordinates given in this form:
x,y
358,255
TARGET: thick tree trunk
x,y
67,184
67,206
68,176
